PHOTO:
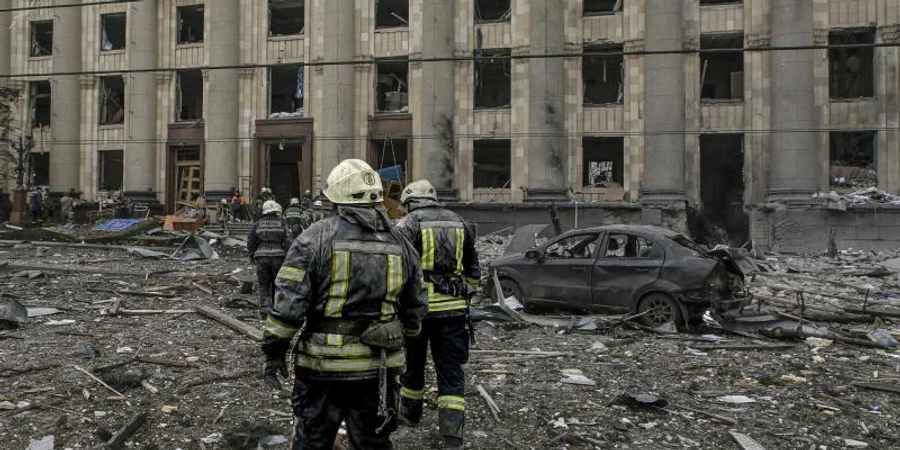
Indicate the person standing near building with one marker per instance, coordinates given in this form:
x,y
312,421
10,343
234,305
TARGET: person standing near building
x,y
267,243
35,203
354,285
450,266
293,215
65,206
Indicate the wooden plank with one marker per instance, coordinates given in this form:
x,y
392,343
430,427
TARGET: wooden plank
x,y
230,322
117,441
884,387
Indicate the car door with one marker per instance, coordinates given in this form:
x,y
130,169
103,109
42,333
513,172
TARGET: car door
x,y
627,263
563,272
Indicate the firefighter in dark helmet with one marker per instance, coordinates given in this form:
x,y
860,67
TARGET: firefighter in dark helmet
x,y
355,287
449,263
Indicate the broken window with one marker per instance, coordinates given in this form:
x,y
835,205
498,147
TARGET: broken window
x,y
39,102
112,100
110,170
603,161
852,70
112,31
722,73
629,246
492,11
286,17
853,161
42,38
390,157
391,86
493,86
575,247
492,160
190,24
39,169
286,91
189,95
391,13
601,7
603,75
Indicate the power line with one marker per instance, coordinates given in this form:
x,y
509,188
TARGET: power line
x,y
473,58
72,5
466,136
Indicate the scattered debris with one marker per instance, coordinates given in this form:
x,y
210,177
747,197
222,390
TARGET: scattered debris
x,y
736,399
12,314
230,322
576,376
44,443
746,442
492,405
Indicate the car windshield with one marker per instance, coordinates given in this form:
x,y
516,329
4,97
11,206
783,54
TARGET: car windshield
x,y
688,244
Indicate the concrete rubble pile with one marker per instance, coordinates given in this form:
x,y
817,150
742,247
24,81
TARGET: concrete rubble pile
x,y
870,196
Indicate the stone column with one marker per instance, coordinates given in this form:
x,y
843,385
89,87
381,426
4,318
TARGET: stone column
x,y
333,39
793,161
140,105
4,70
664,104
546,94
65,101
221,112
432,93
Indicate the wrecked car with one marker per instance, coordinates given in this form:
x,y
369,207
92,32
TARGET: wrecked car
x,y
636,269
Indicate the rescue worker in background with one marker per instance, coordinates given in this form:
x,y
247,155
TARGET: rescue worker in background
x,y
65,206
450,266
306,199
354,284
265,194
293,215
313,214
268,242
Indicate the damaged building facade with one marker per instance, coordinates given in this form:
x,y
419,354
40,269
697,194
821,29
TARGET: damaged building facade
x,y
715,134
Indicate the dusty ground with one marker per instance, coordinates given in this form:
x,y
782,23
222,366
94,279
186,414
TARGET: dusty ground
x,y
801,398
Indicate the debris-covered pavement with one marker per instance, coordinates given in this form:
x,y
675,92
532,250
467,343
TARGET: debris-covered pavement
x,y
114,351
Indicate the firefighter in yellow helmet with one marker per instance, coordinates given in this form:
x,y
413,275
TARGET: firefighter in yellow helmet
x,y
450,266
355,287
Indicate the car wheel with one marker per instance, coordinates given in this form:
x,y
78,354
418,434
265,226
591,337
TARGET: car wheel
x,y
659,309
510,289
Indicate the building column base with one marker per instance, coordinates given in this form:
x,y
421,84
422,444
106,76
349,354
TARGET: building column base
x,y
791,197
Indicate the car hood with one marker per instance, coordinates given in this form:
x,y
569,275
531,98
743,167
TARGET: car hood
x,y
736,260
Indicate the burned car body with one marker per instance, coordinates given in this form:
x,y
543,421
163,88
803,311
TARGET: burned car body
x,y
628,268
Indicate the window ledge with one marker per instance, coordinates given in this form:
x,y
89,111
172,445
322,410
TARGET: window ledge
x,y
111,126
189,45
285,37
853,100
723,5
186,123
492,108
721,101
40,58
489,22
391,29
393,113
601,14
118,51
603,105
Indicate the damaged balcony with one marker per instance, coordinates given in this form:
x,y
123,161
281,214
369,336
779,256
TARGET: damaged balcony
x,y
722,69
112,100
392,86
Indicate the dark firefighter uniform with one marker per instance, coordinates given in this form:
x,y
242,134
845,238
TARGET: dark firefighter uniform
x,y
313,214
342,276
267,244
449,264
293,215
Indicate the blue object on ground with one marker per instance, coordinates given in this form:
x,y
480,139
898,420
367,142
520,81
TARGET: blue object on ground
x,y
117,225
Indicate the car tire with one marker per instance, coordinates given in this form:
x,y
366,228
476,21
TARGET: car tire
x,y
510,288
663,309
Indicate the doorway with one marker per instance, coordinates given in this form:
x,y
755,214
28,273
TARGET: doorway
x,y
188,180
285,170
722,219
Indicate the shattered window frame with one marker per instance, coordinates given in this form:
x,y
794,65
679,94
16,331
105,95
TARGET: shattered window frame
x,y
841,85
596,147
853,159
501,15
734,93
589,63
118,41
391,18
40,102
105,159
41,38
276,7
496,62
179,96
502,153
188,35
602,7
633,240
276,99
112,100
383,84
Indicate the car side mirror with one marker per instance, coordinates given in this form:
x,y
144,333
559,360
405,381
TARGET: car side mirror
x,y
533,254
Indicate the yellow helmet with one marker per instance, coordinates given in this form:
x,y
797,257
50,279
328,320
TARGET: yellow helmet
x,y
353,182
418,189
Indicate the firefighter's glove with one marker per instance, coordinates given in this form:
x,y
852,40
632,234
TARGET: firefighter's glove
x,y
272,369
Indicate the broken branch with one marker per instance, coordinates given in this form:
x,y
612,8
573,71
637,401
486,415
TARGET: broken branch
x,y
230,322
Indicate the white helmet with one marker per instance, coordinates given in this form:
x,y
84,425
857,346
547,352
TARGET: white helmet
x,y
271,206
295,201
353,182
317,203
418,189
